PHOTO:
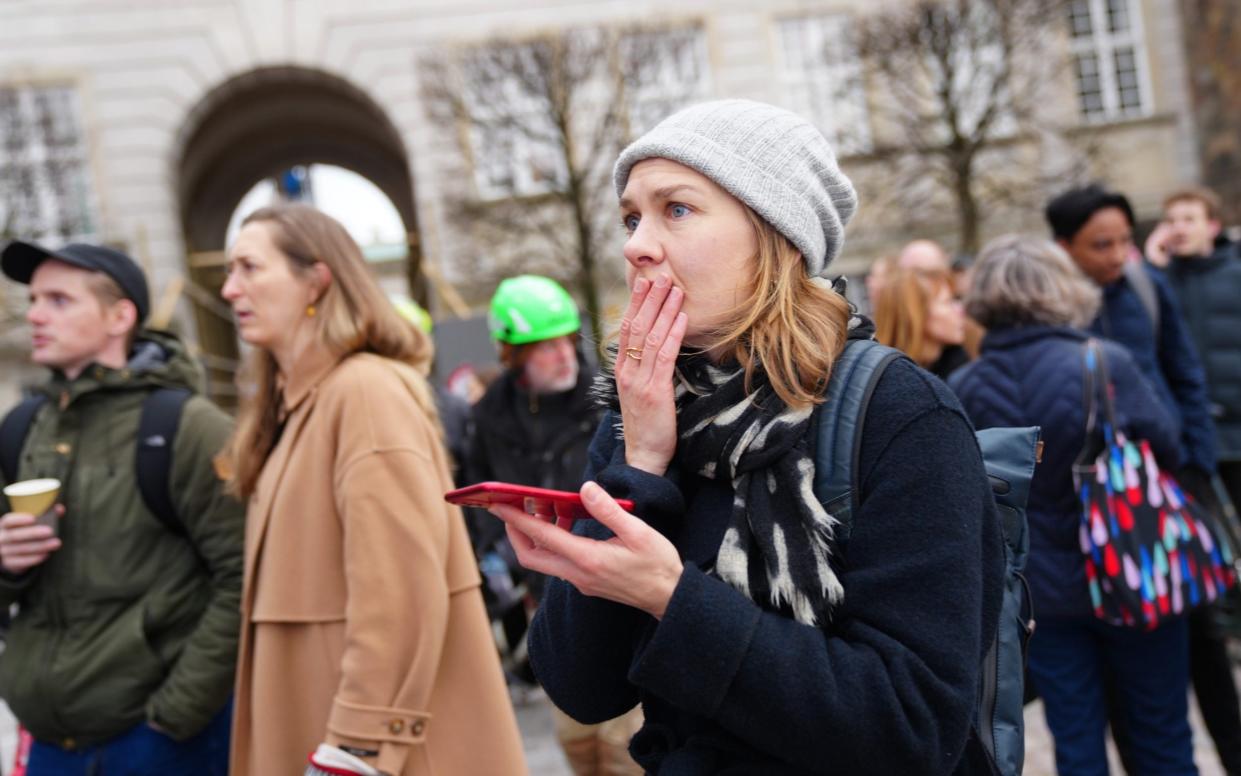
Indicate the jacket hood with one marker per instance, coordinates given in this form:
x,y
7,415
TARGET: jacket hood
x,y
158,359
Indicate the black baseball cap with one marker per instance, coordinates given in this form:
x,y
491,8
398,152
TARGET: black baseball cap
x,y
20,259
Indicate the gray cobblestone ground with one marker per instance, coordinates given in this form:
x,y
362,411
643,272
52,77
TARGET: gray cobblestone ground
x,y
544,757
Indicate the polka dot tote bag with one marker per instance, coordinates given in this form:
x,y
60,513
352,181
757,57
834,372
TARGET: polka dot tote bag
x,y
1151,552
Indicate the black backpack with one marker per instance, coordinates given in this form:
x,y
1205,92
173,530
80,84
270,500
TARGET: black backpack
x,y
157,431
1009,455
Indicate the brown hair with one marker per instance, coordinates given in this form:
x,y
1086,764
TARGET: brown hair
x,y
903,306
789,326
514,357
1208,198
108,292
352,316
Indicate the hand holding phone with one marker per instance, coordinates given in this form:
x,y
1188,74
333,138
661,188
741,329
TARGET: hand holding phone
x,y
560,504
636,566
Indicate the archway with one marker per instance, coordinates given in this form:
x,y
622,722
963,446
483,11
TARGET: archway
x,y
257,125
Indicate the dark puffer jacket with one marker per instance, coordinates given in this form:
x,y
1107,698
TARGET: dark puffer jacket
x,y
1167,358
1209,290
1032,376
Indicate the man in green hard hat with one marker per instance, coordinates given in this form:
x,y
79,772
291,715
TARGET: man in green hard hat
x,y
535,421
532,427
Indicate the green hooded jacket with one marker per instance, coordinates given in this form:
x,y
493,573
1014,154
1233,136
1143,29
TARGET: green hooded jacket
x,y
127,621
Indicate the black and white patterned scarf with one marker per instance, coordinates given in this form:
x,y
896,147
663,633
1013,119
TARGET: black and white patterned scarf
x,y
779,544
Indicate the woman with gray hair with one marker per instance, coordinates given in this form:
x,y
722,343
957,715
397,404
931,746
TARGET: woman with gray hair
x,y
1033,300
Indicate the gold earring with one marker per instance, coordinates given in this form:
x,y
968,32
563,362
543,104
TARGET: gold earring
x,y
310,311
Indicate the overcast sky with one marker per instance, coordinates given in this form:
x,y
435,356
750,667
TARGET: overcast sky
x,y
353,200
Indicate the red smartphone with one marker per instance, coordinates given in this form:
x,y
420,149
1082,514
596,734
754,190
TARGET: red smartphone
x,y
536,501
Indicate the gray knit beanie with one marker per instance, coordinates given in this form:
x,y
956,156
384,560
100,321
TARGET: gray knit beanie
x,y
771,159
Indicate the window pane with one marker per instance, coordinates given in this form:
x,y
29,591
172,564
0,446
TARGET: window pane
x,y
1128,89
665,70
1079,19
1118,15
43,166
1089,88
516,149
55,116
12,132
822,79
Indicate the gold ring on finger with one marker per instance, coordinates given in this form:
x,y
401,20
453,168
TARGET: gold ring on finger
x,y
634,353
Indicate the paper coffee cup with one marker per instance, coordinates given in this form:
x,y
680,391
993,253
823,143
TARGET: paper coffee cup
x,y
33,497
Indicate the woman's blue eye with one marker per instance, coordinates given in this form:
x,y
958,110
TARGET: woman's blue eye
x,y
678,211
629,222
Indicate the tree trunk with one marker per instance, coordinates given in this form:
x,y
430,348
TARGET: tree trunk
x,y
586,263
967,208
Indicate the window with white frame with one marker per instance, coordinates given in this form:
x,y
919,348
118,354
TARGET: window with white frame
x,y
517,149
45,188
1109,59
664,71
821,75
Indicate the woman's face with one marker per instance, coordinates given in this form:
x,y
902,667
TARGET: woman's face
x,y
269,300
681,224
945,317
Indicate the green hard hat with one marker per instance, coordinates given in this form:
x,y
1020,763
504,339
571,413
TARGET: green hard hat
x,y
531,308
413,312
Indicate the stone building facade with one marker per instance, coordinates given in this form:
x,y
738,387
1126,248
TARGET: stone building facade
x,y
143,122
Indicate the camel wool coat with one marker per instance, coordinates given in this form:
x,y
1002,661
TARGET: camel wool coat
x,y
362,620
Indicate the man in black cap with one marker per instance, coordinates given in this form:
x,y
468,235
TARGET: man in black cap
x,y
121,655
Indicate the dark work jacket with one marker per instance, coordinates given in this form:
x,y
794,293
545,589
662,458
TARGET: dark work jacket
x,y
1169,361
529,440
730,687
1209,291
1032,376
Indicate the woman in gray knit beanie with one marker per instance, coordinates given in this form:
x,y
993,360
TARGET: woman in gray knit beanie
x,y
724,602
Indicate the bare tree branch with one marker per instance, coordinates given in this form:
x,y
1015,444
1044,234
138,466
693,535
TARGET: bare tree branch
x,y
956,80
539,123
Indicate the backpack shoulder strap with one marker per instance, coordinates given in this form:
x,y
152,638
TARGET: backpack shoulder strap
x,y
13,431
837,429
157,432
1144,287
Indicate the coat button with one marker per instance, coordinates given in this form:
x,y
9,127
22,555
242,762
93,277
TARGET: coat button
x,y
63,448
417,727
396,726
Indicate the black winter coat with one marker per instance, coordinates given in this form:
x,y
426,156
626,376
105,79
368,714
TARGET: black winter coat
x,y
529,440
1209,290
1032,376
728,687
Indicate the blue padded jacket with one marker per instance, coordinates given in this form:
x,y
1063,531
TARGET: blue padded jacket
x,y
1032,376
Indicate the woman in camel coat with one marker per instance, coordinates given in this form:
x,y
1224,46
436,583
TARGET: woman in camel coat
x,y
364,632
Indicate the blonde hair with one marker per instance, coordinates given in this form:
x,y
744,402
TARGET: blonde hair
x,y
352,316
788,326
904,306
1020,280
